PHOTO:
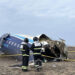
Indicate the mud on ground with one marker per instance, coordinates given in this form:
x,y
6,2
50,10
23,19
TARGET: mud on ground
x,y
51,68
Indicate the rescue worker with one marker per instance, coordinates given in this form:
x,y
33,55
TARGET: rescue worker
x,y
36,48
25,54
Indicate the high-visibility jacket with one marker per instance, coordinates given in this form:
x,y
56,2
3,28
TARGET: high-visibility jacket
x,y
25,49
36,48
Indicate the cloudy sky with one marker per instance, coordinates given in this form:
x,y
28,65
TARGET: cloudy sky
x,y
56,18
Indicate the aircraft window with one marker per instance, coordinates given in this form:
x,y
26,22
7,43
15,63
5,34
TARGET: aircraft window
x,y
15,44
12,43
18,45
9,42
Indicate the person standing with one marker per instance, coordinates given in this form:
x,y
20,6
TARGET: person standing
x,y
25,54
36,48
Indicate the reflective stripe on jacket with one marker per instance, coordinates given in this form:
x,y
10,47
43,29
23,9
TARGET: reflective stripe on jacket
x,y
24,67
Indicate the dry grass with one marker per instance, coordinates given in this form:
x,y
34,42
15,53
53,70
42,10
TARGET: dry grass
x,y
51,68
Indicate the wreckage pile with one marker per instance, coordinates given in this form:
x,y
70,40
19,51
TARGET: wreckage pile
x,y
54,48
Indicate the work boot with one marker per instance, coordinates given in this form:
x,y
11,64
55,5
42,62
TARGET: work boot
x,y
24,70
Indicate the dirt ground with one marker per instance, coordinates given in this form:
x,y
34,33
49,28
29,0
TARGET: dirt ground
x,y
51,68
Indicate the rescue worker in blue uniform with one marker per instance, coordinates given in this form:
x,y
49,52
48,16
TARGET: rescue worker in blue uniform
x,y
25,54
36,48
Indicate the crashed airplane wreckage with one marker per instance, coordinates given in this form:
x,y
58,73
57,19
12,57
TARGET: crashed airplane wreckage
x,y
10,44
